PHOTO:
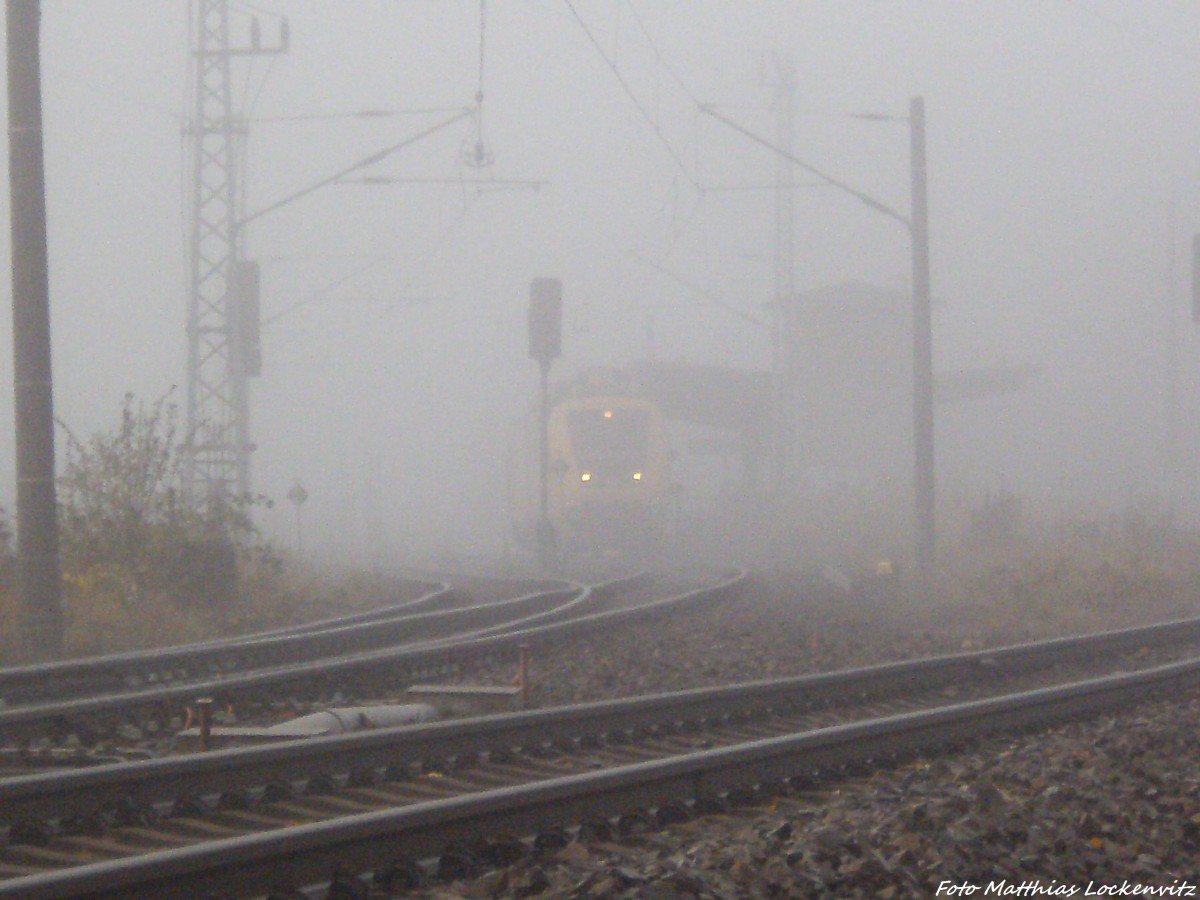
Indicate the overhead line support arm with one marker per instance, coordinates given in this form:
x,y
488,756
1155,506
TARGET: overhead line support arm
x,y
361,164
870,201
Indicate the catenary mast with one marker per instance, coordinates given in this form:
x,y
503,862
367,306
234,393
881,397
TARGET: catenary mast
x,y
222,287
784,283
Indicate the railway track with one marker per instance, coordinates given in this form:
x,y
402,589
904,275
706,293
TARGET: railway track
x,y
364,659
380,800
438,610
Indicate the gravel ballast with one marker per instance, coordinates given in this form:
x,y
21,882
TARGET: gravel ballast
x,y
1106,807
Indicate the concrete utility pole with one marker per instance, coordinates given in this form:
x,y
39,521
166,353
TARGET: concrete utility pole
x,y
784,451
545,346
40,614
918,228
222,313
925,501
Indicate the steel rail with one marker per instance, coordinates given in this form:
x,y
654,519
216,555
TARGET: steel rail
x,y
89,791
432,591
141,665
125,670
388,611
524,586
402,663
101,675
308,854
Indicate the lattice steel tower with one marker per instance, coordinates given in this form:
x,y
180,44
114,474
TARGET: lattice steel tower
x,y
222,314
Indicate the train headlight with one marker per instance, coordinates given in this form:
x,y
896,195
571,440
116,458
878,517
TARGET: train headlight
x,y
585,476
637,476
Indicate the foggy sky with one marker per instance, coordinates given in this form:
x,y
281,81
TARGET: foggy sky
x,y
1064,177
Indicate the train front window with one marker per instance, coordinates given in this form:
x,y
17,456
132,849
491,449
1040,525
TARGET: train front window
x,y
609,438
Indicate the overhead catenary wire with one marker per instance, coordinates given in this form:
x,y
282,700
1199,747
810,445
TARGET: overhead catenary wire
x,y
674,154
323,291
354,167
659,55
764,186
482,47
358,114
697,289
531,183
870,201
683,223
443,237
242,147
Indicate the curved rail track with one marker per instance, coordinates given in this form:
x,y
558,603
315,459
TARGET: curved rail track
x,y
229,823
94,698
437,611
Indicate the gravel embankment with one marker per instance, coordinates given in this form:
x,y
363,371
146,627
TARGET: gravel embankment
x,y
1105,803
783,625
1112,803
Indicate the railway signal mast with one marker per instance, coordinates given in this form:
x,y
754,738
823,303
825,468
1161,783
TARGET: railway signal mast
x,y
222,303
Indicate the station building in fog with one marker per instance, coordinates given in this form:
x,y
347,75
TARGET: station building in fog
x,y
845,410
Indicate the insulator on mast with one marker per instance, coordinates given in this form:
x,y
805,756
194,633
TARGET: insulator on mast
x,y
478,156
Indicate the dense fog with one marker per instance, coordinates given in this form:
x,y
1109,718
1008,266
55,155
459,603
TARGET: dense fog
x,y
1064,188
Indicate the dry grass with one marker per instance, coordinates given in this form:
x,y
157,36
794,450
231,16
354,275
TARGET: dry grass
x,y
1067,579
1046,579
101,620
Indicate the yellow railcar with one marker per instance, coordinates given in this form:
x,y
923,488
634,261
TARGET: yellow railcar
x,y
608,477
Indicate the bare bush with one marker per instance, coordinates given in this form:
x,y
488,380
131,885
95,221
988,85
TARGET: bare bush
x,y
133,549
